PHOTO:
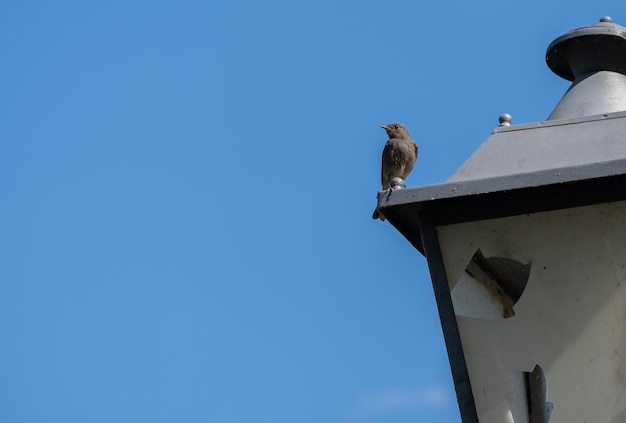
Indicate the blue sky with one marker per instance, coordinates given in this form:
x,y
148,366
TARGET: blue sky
x,y
187,189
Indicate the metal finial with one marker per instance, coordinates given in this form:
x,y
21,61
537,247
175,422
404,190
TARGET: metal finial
x,y
397,183
505,119
597,47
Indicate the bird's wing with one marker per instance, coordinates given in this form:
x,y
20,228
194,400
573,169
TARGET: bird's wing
x,y
383,166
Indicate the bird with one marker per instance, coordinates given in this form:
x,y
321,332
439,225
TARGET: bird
x,y
399,157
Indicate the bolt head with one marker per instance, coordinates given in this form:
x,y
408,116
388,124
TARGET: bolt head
x,y
397,182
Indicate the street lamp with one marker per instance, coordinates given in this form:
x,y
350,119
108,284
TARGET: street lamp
x,y
526,246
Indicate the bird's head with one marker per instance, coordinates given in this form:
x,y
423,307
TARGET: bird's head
x,y
396,130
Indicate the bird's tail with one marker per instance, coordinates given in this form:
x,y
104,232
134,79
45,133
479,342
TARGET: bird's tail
x,y
377,215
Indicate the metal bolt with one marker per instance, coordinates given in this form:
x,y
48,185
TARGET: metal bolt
x,y
397,182
505,119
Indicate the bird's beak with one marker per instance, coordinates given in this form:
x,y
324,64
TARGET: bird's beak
x,y
384,127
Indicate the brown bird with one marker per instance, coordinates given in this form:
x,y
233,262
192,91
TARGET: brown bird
x,y
399,157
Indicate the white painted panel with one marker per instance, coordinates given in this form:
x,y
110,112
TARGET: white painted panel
x,y
570,320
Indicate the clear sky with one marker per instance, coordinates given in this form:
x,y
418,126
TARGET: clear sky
x,y
187,189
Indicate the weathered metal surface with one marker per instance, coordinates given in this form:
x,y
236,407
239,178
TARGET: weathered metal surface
x,y
491,286
597,47
569,318
534,147
507,195
592,94
594,58
539,410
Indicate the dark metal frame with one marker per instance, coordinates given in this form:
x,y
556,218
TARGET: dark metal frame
x,y
490,198
460,376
